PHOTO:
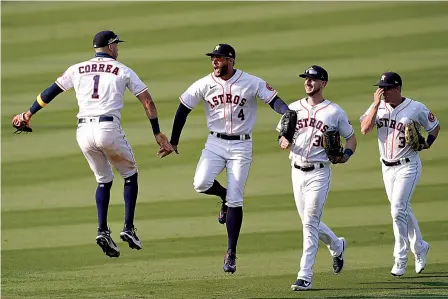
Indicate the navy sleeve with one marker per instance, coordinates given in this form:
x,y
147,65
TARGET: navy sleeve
x,y
45,97
278,105
179,121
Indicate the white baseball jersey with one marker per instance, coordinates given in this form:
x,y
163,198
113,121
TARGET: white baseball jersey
x,y
312,122
100,84
390,123
230,106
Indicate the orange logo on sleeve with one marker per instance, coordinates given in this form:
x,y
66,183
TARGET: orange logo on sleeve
x,y
431,117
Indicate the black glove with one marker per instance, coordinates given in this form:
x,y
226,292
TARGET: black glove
x,y
288,125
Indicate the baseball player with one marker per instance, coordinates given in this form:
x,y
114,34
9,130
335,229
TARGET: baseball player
x,y
390,112
311,170
229,97
100,84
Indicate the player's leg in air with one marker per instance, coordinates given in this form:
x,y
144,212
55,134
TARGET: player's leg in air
x,y
210,165
119,153
101,168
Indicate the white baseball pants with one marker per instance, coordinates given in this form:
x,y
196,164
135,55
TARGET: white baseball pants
x,y
400,182
235,156
103,144
310,193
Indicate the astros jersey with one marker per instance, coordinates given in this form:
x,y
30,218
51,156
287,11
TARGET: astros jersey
x,y
312,122
390,123
100,84
230,106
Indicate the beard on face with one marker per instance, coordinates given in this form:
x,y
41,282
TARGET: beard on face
x,y
222,71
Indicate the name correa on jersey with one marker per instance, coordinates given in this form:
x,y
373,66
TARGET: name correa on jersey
x,y
101,68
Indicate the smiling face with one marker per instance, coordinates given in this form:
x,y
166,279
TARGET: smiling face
x,y
313,86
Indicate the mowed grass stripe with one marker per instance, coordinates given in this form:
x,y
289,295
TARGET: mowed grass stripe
x,y
414,62
191,269
175,19
78,234
372,283
19,17
206,206
73,166
340,50
282,17
88,255
159,184
277,40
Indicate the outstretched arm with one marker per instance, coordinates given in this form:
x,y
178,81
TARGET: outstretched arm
x,y
42,100
278,105
151,112
179,121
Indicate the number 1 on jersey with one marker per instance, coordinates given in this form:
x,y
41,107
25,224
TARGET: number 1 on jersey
x,y
96,81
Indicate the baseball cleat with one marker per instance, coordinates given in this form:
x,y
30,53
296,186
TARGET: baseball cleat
x,y
230,262
223,214
301,285
338,261
399,268
420,260
129,235
104,240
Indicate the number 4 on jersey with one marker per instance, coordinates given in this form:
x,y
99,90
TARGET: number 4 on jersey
x,y
241,114
96,81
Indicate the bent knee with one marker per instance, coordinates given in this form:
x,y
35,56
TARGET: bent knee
x,y
202,185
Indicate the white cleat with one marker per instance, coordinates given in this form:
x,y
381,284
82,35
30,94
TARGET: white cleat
x,y
399,268
420,260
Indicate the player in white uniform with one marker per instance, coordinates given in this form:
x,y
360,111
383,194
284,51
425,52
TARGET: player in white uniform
x,y
100,84
401,166
311,170
229,97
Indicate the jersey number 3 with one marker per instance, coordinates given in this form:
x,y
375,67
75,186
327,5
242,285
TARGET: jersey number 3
x,y
96,81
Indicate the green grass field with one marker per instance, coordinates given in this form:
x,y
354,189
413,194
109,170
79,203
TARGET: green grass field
x,y
48,207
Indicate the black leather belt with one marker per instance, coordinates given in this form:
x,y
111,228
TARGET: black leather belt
x,y
101,119
231,137
395,163
309,168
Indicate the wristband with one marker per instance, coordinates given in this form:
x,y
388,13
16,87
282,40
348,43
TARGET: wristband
x,y
348,152
155,125
431,139
35,107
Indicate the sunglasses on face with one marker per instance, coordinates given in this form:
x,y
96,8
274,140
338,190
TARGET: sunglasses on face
x,y
218,58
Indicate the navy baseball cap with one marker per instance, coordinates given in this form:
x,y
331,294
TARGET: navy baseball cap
x,y
105,38
315,72
389,79
224,50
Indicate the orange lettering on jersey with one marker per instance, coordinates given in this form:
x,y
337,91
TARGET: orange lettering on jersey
x,y
229,98
311,122
431,117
